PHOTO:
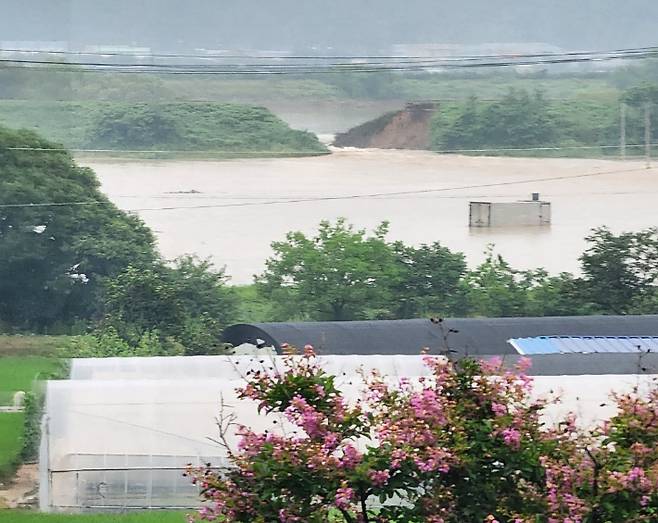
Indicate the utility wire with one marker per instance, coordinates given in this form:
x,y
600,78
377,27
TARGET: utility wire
x,y
277,69
242,56
395,61
331,198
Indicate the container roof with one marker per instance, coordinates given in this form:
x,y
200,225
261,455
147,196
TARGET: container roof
x,y
473,336
585,344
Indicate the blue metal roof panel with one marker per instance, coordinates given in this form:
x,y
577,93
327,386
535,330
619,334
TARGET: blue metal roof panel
x,y
585,344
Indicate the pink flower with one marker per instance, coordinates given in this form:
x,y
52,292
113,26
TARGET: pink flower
x,y
524,364
351,457
344,497
304,415
498,409
379,477
512,438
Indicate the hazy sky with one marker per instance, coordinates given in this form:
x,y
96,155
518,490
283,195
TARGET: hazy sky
x,y
344,24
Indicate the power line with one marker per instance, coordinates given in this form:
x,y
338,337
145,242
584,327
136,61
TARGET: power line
x,y
373,61
207,56
365,66
334,198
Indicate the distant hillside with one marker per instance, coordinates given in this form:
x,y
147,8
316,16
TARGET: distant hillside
x,y
409,128
195,127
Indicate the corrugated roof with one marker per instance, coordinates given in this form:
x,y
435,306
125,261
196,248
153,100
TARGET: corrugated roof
x,y
585,344
475,336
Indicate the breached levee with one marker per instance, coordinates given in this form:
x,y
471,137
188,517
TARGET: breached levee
x,y
409,128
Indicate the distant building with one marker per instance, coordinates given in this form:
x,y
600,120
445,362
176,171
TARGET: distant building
x,y
8,47
117,49
439,50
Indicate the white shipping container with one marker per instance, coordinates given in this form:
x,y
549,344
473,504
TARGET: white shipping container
x,y
509,214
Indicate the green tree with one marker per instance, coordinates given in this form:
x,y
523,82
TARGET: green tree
x,y
518,120
495,289
429,281
560,295
466,131
641,95
636,99
340,274
59,235
621,270
188,302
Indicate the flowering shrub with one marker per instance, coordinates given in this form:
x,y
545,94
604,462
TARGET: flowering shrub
x,y
463,444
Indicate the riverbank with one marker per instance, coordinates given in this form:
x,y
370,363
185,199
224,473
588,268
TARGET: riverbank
x,y
165,131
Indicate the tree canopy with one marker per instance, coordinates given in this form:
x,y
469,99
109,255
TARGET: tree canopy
x,y
187,302
59,235
520,119
68,255
340,274
344,274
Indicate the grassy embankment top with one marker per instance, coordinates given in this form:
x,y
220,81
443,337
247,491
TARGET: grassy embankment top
x,y
215,129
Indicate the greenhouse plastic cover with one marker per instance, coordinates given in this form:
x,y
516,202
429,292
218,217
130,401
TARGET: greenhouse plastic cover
x,y
120,432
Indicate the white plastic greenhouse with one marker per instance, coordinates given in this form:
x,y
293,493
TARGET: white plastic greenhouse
x,y
120,432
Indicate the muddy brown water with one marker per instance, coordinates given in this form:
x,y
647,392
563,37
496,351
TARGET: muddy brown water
x,y
231,216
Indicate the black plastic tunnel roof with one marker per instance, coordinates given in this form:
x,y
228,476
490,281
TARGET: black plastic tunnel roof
x,y
474,336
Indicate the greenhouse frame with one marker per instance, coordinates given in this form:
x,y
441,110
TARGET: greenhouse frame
x,y
119,433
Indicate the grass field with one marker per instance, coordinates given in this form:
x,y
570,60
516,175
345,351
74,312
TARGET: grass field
x,y
31,345
10,516
11,442
18,373
23,359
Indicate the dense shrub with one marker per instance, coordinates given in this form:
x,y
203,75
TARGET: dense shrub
x,y
229,128
106,343
464,444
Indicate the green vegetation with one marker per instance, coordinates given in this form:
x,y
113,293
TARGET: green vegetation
x,y
23,360
236,130
11,442
486,109
578,127
31,85
31,345
187,303
19,373
252,306
198,127
12,516
52,264
34,359
344,274
341,274
92,266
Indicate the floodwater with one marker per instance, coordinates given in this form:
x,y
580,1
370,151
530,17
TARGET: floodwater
x,y
234,209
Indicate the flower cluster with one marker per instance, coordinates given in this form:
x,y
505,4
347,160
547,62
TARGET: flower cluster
x,y
464,443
